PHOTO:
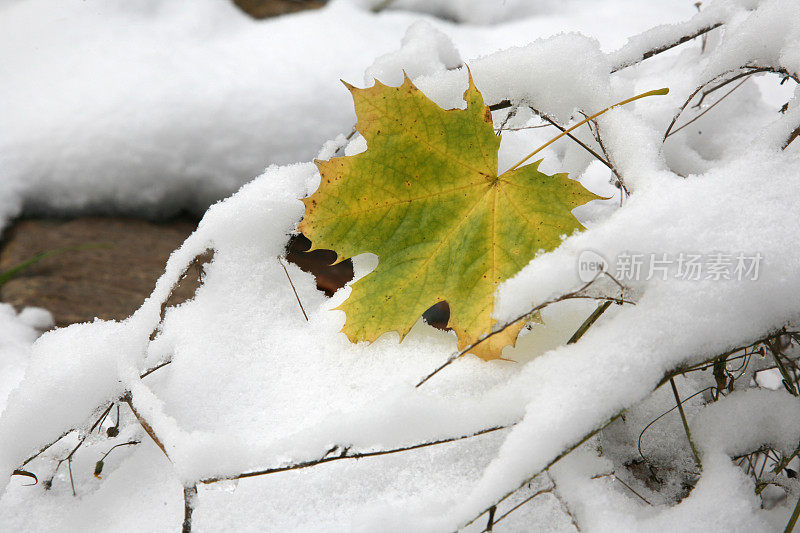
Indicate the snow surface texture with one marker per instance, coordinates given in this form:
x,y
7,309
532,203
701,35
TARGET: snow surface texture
x,y
18,331
149,107
251,384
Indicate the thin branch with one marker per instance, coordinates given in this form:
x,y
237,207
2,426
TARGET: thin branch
x,y
645,500
774,347
567,450
490,521
502,104
189,500
563,503
783,463
49,482
509,116
71,480
520,504
564,130
64,434
560,456
589,322
689,99
346,454
620,181
569,296
96,424
153,369
346,139
685,422
533,127
655,92
792,137
709,108
663,48
46,447
749,71
293,289
662,415
145,425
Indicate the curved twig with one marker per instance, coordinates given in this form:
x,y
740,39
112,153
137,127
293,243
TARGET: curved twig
x,y
574,295
749,71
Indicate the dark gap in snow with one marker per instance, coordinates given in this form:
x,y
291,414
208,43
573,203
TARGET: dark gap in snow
x,y
330,278
260,9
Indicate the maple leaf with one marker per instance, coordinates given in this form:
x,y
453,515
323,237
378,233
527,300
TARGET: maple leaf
x,y
426,198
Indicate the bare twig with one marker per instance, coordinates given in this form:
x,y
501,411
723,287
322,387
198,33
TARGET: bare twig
x,y
569,296
509,116
556,459
64,434
792,137
662,415
293,289
689,99
567,450
620,182
96,424
667,46
71,480
520,504
490,521
145,425
564,504
347,454
589,322
153,369
749,71
346,139
645,500
685,422
189,500
533,127
580,143
49,482
709,108
46,447
655,92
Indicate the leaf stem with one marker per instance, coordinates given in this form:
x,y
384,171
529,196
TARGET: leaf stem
x,y
656,92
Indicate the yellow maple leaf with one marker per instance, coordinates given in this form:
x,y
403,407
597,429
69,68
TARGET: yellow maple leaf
x,y
426,198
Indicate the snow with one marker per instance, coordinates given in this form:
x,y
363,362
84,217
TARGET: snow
x,y
424,51
150,107
17,333
747,419
153,108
